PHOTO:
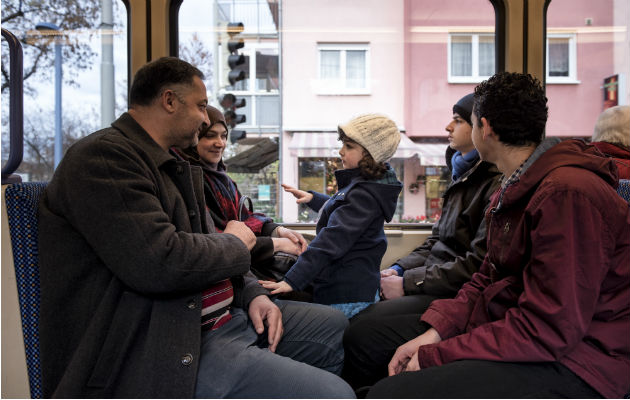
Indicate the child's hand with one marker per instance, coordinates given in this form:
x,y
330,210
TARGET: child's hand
x,y
276,287
300,195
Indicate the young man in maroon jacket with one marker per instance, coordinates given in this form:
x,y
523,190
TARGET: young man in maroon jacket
x,y
548,313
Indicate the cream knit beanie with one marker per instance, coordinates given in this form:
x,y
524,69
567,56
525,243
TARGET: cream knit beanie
x,y
376,133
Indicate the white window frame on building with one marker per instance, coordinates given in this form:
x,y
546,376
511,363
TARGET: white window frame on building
x,y
341,84
474,76
570,38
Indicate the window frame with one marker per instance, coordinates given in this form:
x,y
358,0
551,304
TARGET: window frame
x,y
572,78
325,87
474,77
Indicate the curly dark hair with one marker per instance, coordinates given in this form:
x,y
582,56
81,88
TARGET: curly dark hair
x,y
368,167
515,105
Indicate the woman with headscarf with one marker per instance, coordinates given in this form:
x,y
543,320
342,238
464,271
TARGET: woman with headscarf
x,y
223,197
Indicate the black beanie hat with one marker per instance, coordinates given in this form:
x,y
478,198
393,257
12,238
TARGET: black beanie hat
x,y
464,107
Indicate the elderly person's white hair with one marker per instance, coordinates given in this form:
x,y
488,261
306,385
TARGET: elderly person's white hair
x,y
613,126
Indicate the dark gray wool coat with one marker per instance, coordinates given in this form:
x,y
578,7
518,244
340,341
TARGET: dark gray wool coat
x,y
125,253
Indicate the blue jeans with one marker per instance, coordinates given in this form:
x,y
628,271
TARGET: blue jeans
x,y
235,361
351,309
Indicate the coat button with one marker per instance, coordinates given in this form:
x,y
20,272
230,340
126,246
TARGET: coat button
x,y
192,213
180,169
192,305
187,359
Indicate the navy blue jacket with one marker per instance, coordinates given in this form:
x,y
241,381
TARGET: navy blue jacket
x,y
343,261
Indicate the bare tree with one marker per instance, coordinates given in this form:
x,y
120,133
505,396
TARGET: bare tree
x,y
196,52
39,141
72,16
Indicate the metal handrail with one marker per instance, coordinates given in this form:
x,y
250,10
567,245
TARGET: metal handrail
x,y
16,109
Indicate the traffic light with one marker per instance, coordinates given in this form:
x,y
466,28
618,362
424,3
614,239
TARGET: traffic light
x,y
236,135
230,104
235,60
238,66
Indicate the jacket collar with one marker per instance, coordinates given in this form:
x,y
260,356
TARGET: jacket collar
x,y
136,133
611,149
551,154
345,176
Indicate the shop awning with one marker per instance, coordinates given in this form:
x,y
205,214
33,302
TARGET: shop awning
x,y
325,144
261,153
432,153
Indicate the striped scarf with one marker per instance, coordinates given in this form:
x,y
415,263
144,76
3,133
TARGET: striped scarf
x,y
215,305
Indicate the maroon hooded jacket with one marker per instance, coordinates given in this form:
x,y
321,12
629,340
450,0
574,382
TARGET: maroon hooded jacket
x,y
555,283
620,155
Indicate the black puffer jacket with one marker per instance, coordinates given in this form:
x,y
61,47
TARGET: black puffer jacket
x,y
457,245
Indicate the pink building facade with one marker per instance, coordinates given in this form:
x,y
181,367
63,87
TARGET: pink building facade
x,y
419,57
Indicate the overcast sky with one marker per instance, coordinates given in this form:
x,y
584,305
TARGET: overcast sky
x,y
195,16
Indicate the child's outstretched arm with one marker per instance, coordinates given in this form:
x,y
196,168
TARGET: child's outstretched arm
x,y
300,195
313,200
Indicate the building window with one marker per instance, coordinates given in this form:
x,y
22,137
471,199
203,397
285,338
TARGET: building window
x,y
470,57
561,59
343,68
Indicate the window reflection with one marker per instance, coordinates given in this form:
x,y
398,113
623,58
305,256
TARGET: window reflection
x,y
93,71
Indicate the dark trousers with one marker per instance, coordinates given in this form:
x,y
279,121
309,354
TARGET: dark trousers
x,y
485,379
376,332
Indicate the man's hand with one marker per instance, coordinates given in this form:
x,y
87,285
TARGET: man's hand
x,y
406,356
300,195
286,245
263,312
241,231
276,287
388,272
295,237
392,287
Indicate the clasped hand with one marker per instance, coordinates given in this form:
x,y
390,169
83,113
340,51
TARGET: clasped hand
x,y
295,237
406,357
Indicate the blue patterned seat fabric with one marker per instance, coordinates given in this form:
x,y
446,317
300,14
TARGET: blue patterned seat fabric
x,y
22,201
624,189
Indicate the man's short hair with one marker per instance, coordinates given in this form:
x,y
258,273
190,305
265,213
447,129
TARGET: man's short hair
x,y
152,78
613,126
515,105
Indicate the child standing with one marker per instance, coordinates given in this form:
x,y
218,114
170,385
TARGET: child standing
x,y
343,261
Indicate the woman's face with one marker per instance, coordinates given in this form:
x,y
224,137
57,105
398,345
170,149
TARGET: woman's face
x,y
211,146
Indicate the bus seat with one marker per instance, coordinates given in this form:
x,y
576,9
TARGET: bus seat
x,y
624,189
22,200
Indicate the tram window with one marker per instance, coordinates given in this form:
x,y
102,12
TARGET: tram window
x,y
587,63
92,67
408,60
